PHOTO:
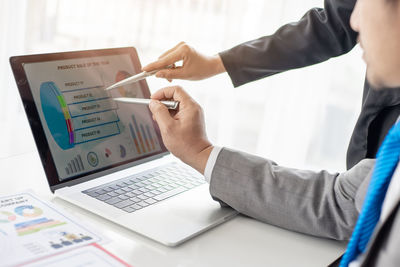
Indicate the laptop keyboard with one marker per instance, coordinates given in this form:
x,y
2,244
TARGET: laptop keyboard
x,y
147,188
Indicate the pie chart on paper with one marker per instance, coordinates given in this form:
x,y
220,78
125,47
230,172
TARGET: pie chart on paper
x,y
6,217
28,211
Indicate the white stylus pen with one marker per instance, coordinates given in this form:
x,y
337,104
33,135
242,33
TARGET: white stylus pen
x,y
135,78
168,103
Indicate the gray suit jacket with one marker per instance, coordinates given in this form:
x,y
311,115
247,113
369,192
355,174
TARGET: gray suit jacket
x,y
317,203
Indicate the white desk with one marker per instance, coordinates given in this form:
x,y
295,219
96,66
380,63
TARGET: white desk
x,y
239,242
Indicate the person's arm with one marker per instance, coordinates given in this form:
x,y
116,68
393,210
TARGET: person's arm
x,y
316,203
195,65
318,36
312,202
322,33
183,130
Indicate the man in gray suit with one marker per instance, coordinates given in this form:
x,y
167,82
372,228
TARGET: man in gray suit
x,y
317,203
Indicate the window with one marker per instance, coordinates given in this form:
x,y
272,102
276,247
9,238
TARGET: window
x,y
302,118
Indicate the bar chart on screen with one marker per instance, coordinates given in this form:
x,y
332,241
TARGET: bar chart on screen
x,y
143,139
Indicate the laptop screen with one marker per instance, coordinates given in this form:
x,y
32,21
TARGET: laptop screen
x,y
85,130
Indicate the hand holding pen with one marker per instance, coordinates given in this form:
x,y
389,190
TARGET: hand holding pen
x,y
135,78
195,66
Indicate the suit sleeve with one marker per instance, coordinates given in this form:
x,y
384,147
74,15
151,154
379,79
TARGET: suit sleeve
x,y
316,203
320,34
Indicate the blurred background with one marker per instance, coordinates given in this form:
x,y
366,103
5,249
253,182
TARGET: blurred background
x,y
302,118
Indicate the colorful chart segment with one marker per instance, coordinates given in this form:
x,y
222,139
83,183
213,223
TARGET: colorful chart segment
x,y
124,91
151,137
66,113
28,211
78,116
6,217
69,239
37,225
57,115
134,138
142,137
75,165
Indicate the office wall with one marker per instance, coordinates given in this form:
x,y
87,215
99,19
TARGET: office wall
x,y
302,118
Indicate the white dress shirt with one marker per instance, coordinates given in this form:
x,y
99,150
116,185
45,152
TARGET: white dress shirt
x,y
392,195
211,163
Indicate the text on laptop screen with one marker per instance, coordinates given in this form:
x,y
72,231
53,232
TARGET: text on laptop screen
x,y
87,130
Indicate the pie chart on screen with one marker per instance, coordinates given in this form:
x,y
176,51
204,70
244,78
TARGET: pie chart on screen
x,y
57,115
129,90
119,77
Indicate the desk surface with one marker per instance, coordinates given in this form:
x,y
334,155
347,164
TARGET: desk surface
x,y
239,242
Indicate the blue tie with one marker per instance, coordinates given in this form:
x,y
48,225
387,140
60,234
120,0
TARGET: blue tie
x,y
386,162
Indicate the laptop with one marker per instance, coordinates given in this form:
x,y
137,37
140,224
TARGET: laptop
x,y
108,157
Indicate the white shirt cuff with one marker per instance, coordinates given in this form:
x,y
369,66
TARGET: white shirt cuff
x,y
211,163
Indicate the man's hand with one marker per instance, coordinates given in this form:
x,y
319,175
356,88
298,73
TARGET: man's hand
x,y
183,131
195,66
